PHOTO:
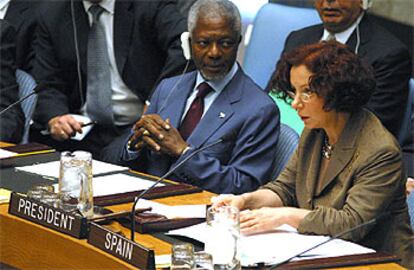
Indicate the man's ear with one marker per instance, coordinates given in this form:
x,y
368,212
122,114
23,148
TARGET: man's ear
x,y
240,39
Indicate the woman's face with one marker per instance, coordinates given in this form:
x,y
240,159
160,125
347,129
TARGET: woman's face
x,y
311,112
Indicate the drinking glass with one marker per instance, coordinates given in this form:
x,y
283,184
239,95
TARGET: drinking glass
x,y
51,198
203,261
223,224
75,182
182,257
37,192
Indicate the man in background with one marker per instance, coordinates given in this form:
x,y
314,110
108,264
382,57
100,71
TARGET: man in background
x,y
12,121
218,101
101,60
21,14
348,23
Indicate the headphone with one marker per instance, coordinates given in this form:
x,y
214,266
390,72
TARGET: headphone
x,y
366,4
185,45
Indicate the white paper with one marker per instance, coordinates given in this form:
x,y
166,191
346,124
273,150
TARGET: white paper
x,y
51,169
85,130
279,245
6,154
176,211
117,184
163,261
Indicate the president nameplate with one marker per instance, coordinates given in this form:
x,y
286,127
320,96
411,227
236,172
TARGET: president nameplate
x,y
47,216
121,247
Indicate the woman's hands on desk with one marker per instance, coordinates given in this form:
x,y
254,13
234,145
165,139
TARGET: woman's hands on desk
x,y
263,211
152,131
268,218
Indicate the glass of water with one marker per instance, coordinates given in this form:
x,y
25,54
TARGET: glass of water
x,y
203,261
182,257
75,182
223,224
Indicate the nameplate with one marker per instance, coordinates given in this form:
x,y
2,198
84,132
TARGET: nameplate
x,y
121,247
47,216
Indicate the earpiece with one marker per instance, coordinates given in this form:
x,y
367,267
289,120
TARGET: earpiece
x,y
366,4
185,45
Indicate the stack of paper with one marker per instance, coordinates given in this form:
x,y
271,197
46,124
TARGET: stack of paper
x,y
277,246
6,154
51,169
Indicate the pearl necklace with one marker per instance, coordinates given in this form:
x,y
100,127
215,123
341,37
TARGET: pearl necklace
x,y
327,149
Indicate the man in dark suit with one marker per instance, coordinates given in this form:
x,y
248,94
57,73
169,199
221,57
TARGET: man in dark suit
x,y
12,121
21,14
348,23
216,101
138,45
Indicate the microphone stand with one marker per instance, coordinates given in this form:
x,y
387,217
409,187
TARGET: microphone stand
x,y
369,222
38,88
181,163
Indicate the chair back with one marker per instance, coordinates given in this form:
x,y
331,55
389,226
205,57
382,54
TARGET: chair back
x,y
410,203
271,26
26,85
286,145
406,124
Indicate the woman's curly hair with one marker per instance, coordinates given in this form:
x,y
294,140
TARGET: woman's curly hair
x,y
340,77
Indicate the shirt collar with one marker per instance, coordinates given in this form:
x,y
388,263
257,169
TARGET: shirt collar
x,y
108,5
4,3
343,36
218,85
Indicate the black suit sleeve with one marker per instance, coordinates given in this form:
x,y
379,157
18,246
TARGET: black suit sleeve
x,y
54,101
169,25
12,122
388,102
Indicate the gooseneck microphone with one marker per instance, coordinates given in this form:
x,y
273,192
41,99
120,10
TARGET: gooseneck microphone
x,y
36,90
226,137
362,225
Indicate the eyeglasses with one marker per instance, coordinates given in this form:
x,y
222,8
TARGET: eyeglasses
x,y
304,97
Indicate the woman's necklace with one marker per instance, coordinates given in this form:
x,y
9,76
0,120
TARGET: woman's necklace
x,y
327,149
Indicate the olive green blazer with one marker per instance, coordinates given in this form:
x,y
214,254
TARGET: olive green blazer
x,y
363,180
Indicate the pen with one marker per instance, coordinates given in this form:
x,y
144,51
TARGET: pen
x,y
90,123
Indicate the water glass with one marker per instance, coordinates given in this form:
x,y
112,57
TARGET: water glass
x,y
75,182
223,224
182,257
203,261
51,199
37,192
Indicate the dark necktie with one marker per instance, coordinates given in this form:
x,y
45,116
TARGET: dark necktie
x,y
195,111
99,92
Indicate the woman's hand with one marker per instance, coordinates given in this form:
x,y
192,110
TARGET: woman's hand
x,y
229,200
268,218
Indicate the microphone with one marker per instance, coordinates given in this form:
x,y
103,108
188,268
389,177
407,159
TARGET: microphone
x,y
36,90
369,222
226,137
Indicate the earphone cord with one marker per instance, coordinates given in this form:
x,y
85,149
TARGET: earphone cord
x,y
75,38
174,86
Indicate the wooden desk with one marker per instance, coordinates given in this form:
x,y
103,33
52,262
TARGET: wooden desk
x,y
26,245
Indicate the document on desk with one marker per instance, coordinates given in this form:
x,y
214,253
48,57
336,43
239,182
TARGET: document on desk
x,y
117,184
176,211
6,154
51,169
279,245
